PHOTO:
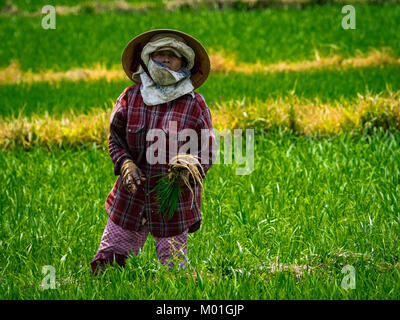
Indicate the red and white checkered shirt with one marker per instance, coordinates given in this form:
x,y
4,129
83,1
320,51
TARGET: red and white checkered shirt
x,y
130,121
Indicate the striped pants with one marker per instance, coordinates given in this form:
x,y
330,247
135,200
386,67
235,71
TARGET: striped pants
x,y
117,244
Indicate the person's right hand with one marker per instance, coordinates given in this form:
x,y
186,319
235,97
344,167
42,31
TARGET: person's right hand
x,y
131,176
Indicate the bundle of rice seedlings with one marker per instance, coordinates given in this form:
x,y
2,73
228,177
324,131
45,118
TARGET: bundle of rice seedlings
x,y
184,167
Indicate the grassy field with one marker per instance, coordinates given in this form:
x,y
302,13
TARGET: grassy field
x,y
316,204
253,35
83,96
311,206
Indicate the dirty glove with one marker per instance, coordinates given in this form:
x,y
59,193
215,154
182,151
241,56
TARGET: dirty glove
x,y
131,176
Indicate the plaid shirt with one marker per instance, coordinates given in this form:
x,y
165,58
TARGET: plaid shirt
x,y
130,121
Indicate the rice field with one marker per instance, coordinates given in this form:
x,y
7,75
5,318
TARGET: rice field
x,y
324,193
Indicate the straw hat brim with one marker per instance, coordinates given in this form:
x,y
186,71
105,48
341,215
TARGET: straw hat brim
x,y
131,55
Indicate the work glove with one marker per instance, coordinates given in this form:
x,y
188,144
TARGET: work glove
x,y
131,176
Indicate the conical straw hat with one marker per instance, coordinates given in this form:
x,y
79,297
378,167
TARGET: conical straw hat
x,y
131,55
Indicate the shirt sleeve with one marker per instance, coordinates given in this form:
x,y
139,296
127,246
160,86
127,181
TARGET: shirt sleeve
x,y
117,145
206,136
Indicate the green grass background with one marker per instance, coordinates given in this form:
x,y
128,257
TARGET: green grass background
x,y
326,203
270,35
83,96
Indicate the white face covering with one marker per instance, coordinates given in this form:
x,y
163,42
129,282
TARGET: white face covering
x,y
168,84
164,76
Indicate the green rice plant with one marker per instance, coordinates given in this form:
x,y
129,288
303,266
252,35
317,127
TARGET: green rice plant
x,y
167,196
183,167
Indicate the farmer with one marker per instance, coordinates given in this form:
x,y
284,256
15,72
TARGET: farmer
x,y
166,65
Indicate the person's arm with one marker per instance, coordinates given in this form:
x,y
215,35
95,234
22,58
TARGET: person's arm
x,y
117,145
207,142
